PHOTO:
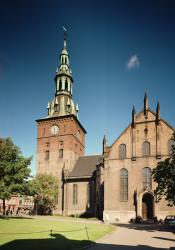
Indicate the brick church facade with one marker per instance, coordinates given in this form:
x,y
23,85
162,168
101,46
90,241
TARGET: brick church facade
x,y
114,186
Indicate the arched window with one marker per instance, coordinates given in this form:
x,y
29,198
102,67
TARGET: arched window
x,y
147,181
47,155
146,149
75,194
60,84
61,153
66,85
170,144
122,151
123,184
47,151
56,107
68,108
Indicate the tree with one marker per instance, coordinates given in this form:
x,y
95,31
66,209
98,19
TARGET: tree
x,y
164,176
44,188
14,170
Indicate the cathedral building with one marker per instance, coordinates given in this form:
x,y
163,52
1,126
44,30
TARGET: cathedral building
x,y
114,186
128,165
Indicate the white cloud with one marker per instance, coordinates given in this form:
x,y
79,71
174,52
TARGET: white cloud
x,y
133,62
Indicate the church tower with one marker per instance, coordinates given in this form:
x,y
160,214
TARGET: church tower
x,y
60,135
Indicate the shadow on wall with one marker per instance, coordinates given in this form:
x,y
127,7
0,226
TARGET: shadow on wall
x,y
60,242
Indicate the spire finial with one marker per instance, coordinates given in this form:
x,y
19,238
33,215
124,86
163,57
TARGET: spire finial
x,y
65,36
145,103
133,116
133,109
158,112
104,140
104,145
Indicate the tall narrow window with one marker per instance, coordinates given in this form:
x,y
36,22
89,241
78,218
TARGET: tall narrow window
x,y
60,84
146,149
88,194
122,151
66,85
47,154
75,194
56,107
68,108
61,153
123,184
170,144
147,178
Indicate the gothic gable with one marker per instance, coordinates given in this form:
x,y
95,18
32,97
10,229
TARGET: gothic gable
x,y
147,128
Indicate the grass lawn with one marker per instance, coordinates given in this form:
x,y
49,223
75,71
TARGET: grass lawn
x,y
35,234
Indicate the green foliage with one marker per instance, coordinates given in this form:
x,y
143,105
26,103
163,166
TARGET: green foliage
x,y
164,176
14,169
44,188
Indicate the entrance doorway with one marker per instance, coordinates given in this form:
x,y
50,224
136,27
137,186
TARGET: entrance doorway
x,y
147,206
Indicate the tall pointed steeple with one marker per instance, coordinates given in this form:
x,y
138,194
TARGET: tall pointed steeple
x,y
145,104
63,78
63,104
61,136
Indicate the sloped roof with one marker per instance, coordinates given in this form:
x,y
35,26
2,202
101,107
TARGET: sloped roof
x,y
85,166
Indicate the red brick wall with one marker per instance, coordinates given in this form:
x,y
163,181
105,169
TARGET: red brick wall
x,y
67,139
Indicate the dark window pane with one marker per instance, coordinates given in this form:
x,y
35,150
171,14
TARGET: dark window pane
x,y
66,85
60,84
61,153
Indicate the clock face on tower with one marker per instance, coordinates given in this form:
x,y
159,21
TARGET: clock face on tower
x,y
54,130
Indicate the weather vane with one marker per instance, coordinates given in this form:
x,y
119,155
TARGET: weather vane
x,y
65,32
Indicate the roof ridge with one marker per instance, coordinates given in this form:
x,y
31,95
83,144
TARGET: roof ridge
x,y
90,155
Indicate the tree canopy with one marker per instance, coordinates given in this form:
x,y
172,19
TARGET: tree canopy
x,y
14,170
164,176
44,188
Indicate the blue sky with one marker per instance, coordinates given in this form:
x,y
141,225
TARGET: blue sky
x,y
118,49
